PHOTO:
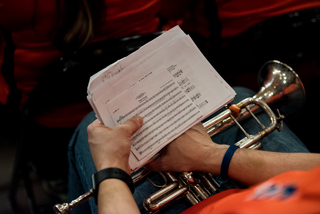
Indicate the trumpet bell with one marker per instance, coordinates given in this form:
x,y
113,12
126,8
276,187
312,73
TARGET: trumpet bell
x,y
281,88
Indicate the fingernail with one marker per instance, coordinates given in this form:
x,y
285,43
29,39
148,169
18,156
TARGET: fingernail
x,y
139,119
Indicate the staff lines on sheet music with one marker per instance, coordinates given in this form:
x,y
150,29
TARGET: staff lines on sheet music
x,y
170,132
160,113
159,106
148,100
159,101
138,142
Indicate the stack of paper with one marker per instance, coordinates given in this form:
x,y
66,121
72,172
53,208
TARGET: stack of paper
x,y
168,82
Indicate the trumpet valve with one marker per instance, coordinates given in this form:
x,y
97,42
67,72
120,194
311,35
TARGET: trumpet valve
x,y
188,177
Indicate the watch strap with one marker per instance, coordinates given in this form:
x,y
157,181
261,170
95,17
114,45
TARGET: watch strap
x,y
108,173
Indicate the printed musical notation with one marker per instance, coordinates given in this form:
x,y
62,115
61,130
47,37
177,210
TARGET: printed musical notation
x,y
166,112
168,82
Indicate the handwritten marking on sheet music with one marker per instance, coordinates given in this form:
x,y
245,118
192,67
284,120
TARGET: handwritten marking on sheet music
x,y
142,83
105,77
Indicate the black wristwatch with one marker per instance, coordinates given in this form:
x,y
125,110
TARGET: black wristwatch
x,y
107,173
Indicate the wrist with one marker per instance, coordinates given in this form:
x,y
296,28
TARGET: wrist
x,y
115,197
215,159
113,164
110,173
224,170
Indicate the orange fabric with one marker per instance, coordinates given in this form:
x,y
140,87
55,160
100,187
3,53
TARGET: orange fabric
x,y
207,202
33,23
291,192
237,15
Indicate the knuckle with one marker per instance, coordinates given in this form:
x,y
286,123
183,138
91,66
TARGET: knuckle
x,y
90,128
123,127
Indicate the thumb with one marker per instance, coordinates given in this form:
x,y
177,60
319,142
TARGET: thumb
x,y
133,124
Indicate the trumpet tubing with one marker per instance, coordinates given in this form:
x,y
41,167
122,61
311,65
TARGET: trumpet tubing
x,y
281,88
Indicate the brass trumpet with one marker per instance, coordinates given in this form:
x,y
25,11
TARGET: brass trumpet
x,y
281,89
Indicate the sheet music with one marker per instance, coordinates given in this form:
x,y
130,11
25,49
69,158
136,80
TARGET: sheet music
x,y
145,51
168,82
166,110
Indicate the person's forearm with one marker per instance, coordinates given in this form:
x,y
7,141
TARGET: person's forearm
x,y
253,166
114,196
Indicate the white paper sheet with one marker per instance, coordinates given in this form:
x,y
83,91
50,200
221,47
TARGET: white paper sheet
x,y
168,82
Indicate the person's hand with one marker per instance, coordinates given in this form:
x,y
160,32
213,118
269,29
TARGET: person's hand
x,y
192,151
111,147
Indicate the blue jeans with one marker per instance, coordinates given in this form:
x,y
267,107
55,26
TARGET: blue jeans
x,y
81,165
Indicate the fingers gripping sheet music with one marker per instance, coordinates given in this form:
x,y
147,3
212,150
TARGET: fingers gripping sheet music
x,y
168,82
